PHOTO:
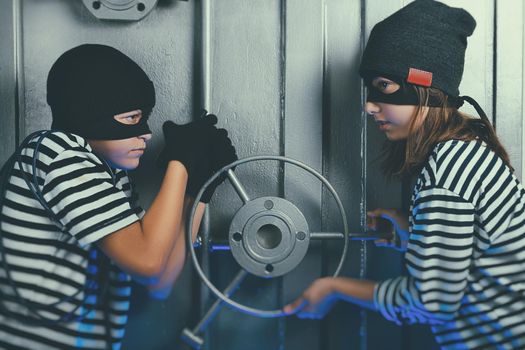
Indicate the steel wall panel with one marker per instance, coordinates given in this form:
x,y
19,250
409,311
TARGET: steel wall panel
x,y
246,95
9,77
509,79
344,161
478,77
302,134
283,80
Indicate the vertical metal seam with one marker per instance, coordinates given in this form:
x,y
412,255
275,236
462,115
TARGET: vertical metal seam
x,y
282,71
206,54
495,64
206,104
363,327
523,94
326,125
281,324
326,112
18,71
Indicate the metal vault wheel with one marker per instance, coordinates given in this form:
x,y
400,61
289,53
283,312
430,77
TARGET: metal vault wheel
x,y
268,236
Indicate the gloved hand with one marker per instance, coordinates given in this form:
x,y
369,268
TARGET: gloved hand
x,y
188,143
201,148
222,154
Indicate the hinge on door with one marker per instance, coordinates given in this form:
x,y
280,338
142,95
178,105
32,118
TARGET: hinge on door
x,y
120,10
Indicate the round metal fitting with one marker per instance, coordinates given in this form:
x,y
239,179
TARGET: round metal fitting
x,y
120,10
268,247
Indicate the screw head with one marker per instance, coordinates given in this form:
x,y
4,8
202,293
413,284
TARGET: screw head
x,y
300,235
268,204
237,236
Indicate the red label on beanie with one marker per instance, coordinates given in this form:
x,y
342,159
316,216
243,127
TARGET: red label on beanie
x,y
419,77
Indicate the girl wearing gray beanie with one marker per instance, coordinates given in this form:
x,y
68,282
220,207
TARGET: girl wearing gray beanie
x,y
464,236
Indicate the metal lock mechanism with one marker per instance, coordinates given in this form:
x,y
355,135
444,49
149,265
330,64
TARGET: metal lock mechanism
x,y
268,237
120,10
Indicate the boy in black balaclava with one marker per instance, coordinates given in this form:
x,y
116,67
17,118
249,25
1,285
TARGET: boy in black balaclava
x,y
71,235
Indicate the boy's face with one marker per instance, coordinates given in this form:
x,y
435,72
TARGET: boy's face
x,y
123,154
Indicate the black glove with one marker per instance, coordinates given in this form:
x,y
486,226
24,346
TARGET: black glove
x,y
201,148
188,143
222,154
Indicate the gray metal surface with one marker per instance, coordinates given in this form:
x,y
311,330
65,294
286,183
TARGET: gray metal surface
x,y
509,85
120,10
344,157
245,92
301,136
282,77
10,73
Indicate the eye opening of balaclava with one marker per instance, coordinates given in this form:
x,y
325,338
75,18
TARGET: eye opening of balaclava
x,y
405,95
90,84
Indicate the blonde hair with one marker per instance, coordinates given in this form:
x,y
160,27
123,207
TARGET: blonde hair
x,y
426,130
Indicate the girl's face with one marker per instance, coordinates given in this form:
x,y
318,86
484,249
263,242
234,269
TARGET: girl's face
x,y
126,153
393,120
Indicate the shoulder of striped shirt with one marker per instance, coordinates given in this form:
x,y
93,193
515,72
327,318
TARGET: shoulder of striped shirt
x,y
69,142
446,149
66,145
65,141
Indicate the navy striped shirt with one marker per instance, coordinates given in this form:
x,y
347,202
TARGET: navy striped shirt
x,y
466,252
63,272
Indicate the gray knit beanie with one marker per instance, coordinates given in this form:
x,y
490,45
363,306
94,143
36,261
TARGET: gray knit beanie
x,y
423,43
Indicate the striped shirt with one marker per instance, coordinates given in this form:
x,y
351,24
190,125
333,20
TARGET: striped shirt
x,y
62,273
466,252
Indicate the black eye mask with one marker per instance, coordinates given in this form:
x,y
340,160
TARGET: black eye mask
x,y
405,95
111,129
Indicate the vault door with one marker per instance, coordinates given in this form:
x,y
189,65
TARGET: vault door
x,y
282,77
285,74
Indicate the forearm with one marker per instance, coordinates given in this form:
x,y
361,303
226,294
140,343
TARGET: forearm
x,y
142,248
162,221
177,257
360,292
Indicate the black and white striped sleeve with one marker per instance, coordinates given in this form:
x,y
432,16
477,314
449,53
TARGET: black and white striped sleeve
x,y
438,258
81,194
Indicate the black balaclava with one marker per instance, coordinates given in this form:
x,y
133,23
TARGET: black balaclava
x,y
422,44
90,84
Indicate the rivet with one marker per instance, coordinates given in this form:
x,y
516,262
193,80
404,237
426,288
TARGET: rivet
x,y
237,236
268,204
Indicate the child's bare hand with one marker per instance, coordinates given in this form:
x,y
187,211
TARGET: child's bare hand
x,y
399,222
316,301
